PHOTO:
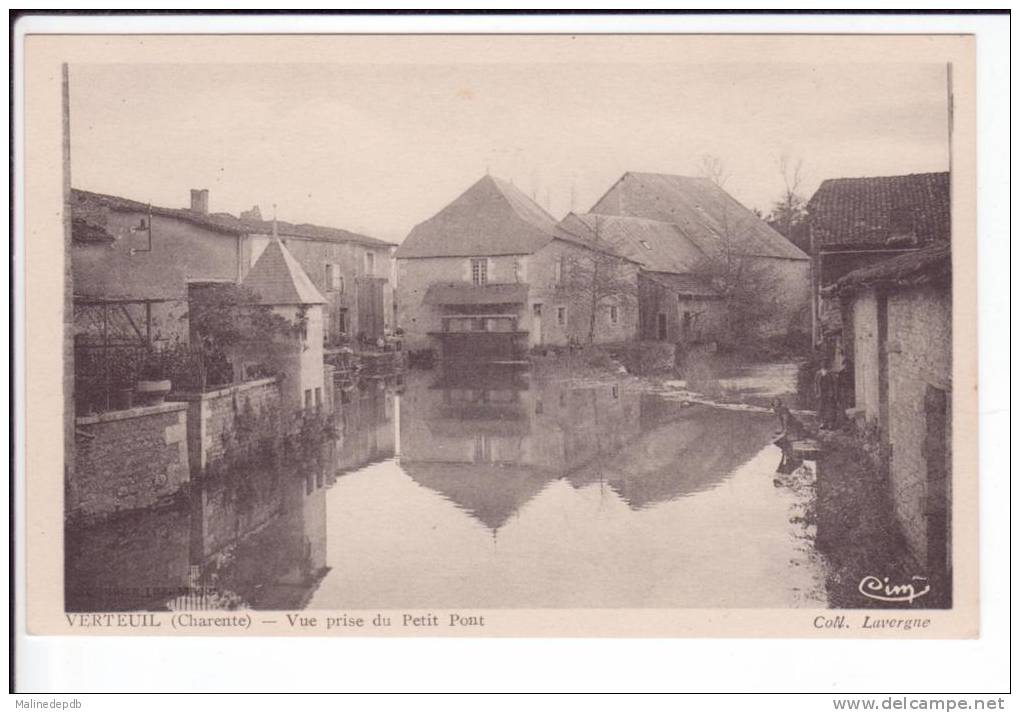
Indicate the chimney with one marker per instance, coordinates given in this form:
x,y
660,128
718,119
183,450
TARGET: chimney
x,y
253,214
200,200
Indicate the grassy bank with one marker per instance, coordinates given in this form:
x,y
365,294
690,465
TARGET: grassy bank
x,y
856,528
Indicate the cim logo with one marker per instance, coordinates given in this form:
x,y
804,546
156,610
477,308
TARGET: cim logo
x,y
874,588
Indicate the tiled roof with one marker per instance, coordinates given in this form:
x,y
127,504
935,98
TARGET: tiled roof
x,y
468,294
653,244
278,279
880,211
492,217
88,201
928,266
703,212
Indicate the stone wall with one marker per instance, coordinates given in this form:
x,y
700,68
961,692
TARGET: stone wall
x,y
229,421
865,353
920,356
128,459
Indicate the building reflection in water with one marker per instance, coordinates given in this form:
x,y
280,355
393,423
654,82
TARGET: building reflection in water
x,y
490,440
253,537
364,422
492,443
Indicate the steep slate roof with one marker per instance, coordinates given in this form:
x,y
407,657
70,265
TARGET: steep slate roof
x,y
278,279
653,244
847,212
492,217
706,214
929,266
88,205
465,293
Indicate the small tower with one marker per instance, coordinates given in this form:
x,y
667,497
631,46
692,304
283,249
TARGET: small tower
x,y
281,283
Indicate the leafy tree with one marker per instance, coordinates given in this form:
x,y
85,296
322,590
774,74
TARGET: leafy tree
x,y
227,316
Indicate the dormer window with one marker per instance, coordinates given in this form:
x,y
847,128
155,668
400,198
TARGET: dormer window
x,y
645,245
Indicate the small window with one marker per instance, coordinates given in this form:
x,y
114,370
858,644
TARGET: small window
x,y
517,270
370,263
558,271
334,280
614,314
318,398
479,271
561,316
308,398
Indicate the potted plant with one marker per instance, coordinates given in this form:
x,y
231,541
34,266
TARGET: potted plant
x,y
152,385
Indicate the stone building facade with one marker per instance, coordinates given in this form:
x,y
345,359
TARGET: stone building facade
x,y
898,327
493,274
124,249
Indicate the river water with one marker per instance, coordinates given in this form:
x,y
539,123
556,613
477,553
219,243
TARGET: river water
x,y
486,489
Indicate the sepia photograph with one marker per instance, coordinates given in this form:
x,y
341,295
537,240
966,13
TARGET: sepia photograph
x,y
501,336
510,351
363,337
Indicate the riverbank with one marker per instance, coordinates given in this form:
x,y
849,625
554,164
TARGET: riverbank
x,y
847,512
856,527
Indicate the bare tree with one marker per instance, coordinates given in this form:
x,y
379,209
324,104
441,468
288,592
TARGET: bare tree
x,y
746,287
789,213
714,169
598,278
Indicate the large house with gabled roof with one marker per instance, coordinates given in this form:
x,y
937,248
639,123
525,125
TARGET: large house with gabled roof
x,y
674,303
675,227
492,274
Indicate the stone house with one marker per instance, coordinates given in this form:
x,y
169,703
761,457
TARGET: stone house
x,y
280,283
492,274
687,226
144,259
897,328
856,222
674,304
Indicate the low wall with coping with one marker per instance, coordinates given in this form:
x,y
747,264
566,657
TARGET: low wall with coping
x,y
229,420
128,459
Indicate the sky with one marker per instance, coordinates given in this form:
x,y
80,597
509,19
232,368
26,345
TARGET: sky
x,y
378,149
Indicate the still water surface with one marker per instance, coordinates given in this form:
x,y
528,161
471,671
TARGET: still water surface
x,y
493,489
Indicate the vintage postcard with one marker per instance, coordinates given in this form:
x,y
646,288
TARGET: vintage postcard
x,y
515,335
